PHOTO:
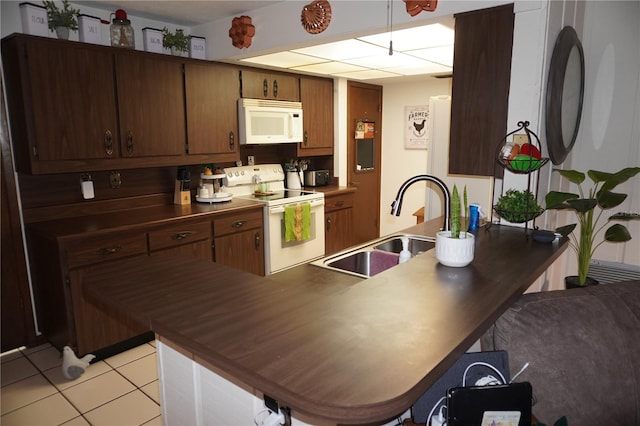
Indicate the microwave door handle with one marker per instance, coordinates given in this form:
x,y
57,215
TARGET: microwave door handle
x,y
290,119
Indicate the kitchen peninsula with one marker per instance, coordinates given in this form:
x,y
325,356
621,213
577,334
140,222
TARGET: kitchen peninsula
x,y
334,348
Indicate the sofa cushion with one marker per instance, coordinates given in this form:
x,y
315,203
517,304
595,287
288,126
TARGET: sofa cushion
x,y
583,350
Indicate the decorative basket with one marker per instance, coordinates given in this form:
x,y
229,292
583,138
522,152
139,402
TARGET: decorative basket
x,y
518,216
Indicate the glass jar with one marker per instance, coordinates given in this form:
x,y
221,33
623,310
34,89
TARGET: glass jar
x,y
121,31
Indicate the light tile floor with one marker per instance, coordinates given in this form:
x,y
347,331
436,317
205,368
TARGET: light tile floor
x,y
119,391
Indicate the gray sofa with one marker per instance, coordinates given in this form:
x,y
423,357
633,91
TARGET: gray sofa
x,y
583,350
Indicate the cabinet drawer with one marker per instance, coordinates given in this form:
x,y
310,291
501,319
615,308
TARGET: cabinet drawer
x,y
179,234
102,249
338,202
237,223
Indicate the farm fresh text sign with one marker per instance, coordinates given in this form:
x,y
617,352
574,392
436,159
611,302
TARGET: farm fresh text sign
x,y
417,127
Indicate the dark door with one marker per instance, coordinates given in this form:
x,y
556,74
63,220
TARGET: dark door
x,y
363,157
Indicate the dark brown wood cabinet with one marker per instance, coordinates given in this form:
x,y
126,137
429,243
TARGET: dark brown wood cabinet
x,y
238,241
316,95
62,103
82,107
60,263
338,222
258,84
212,92
480,89
150,104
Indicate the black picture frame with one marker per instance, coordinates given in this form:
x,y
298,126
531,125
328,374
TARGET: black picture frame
x,y
565,94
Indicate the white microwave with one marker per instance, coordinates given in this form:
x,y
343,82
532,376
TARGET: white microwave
x,y
267,122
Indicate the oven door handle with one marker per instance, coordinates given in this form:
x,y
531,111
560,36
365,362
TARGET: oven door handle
x,y
280,209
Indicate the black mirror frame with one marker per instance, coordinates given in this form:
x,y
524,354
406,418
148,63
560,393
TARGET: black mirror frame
x,y
565,43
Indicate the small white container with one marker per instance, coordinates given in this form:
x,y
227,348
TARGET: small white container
x,y
455,252
197,47
34,19
152,40
90,29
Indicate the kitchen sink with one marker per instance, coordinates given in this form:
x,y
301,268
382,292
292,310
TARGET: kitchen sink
x,y
374,257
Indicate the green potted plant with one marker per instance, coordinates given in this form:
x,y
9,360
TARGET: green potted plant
x,y
589,207
518,206
456,247
178,42
61,20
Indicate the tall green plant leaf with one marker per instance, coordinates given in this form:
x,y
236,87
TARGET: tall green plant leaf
x,y
556,200
455,213
617,234
619,177
574,176
608,200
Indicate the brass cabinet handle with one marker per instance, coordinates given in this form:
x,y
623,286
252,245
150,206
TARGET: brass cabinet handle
x,y
275,88
181,235
328,224
108,143
265,88
130,142
339,203
232,141
256,240
105,251
238,223
306,138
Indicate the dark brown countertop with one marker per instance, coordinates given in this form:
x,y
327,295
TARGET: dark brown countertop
x,y
147,216
329,345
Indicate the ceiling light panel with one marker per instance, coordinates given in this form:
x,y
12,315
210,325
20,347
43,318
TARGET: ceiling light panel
x,y
442,55
332,67
414,38
284,59
386,61
340,50
425,68
368,74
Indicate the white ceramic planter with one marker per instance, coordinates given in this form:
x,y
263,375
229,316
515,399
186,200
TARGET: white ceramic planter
x,y
456,252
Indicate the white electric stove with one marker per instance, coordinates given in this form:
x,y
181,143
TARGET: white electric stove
x,y
265,183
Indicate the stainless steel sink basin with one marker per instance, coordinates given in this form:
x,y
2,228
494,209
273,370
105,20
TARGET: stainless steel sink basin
x,y
374,257
417,245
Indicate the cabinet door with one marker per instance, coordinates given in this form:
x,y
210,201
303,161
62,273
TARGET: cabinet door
x,y
338,230
241,250
150,104
212,92
94,329
264,85
72,95
317,100
480,89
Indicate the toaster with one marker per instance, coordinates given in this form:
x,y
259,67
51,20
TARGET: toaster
x,y
316,177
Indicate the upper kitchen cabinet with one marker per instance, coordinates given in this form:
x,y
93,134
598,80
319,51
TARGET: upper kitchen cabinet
x,y
212,92
480,89
316,95
150,104
258,84
80,107
61,102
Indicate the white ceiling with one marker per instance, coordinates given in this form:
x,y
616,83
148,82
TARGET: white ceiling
x,y
432,54
188,13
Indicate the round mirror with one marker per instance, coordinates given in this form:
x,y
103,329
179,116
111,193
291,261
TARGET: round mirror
x,y
565,93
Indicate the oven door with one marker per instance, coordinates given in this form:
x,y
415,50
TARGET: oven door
x,y
280,254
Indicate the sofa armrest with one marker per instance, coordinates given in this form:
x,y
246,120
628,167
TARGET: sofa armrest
x,y
583,350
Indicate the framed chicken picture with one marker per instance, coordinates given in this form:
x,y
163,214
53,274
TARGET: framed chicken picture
x,y
417,127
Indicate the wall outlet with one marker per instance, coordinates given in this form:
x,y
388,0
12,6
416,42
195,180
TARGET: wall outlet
x,y
251,160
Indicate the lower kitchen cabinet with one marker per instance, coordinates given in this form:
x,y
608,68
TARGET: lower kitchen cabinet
x,y
60,264
64,315
238,241
338,222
